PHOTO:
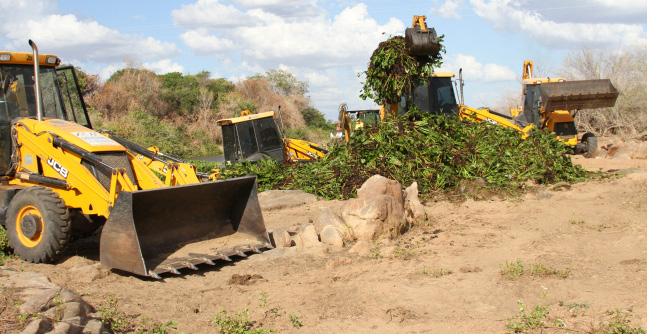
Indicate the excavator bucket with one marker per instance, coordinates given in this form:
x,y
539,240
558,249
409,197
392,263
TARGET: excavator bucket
x,y
421,42
150,232
582,94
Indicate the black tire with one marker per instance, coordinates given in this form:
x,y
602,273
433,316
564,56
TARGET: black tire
x,y
590,142
38,225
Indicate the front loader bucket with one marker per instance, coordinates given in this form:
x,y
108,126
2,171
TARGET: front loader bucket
x,y
582,94
421,43
150,232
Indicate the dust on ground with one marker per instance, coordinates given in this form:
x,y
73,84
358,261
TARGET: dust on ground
x,y
444,277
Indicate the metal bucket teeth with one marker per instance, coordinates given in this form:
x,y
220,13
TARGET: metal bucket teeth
x,y
174,265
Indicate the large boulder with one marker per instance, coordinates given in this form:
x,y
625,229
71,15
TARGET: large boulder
x,y
377,211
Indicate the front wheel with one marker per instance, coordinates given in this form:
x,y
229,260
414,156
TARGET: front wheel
x,y
590,142
38,225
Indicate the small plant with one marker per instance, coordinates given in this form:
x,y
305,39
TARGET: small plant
x,y
403,254
263,299
151,327
618,324
577,222
538,269
237,323
111,317
513,270
59,308
296,322
525,321
436,272
374,253
575,307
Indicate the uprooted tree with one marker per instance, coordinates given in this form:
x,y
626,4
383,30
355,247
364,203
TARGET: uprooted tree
x,y
392,71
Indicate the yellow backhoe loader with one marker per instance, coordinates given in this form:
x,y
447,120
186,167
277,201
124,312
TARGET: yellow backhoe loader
x,y
553,103
255,137
55,169
550,103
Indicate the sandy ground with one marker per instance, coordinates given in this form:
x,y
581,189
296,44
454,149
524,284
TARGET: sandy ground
x,y
444,277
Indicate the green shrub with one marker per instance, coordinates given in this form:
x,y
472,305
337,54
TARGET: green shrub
x,y
438,152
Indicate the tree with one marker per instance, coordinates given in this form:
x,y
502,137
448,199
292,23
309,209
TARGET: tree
x,y
314,117
284,82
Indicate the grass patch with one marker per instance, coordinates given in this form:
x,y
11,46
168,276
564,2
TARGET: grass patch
x,y
237,323
436,273
514,270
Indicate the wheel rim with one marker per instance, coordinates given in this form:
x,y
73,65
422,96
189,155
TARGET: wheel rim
x,y
29,225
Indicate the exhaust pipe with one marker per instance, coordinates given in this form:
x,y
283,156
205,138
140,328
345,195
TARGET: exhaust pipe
x,y
39,105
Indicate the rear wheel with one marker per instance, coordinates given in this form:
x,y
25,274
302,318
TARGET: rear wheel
x,y
590,142
38,225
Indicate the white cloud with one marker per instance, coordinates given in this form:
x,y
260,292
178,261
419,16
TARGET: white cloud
x,y
69,37
209,13
288,9
203,43
449,9
164,66
567,30
476,71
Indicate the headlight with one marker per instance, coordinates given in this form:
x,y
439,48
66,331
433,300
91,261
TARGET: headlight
x,y
52,60
5,56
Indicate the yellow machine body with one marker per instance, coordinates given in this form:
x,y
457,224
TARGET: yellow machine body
x,y
254,137
55,169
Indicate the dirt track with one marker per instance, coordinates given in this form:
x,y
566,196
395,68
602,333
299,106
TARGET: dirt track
x,y
593,234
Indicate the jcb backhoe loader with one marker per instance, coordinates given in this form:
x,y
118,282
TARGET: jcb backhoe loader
x,y
552,103
54,168
254,137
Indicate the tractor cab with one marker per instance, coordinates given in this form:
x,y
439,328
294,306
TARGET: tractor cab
x,y
251,138
60,95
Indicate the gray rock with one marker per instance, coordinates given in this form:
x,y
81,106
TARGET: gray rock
x,y
38,326
281,239
65,328
94,326
75,310
327,217
379,185
331,236
309,236
370,218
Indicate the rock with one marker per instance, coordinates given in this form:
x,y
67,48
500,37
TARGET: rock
x,y
94,326
326,218
281,238
309,236
331,236
414,210
280,199
65,328
379,185
370,218
362,248
38,326
75,310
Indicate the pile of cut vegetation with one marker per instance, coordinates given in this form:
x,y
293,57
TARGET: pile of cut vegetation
x,y
440,153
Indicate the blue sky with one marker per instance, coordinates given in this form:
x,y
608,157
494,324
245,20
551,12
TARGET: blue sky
x,y
325,43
